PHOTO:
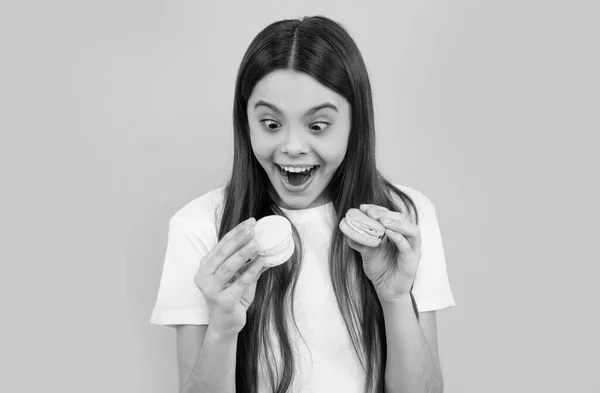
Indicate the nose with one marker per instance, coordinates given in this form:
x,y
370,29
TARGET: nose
x,y
294,142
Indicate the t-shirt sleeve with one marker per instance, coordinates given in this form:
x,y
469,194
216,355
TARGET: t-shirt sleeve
x,y
179,301
431,288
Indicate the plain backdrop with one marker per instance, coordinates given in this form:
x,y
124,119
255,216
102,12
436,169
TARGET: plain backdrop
x,y
114,114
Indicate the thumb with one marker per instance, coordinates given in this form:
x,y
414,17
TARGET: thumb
x,y
366,252
250,291
248,295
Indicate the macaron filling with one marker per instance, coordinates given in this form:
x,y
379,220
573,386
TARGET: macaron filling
x,y
274,250
364,228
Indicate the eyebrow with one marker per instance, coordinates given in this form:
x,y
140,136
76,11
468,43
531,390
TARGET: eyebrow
x,y
309,112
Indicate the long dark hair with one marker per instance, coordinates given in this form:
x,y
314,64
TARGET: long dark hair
x,y
323,49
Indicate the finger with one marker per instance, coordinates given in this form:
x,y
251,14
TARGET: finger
x,y
367,253
248,294
399,241
365,206
245,267
403,226
396,221
246,279
228,245
356,246
264,269
396,216
379,213
373,211
233,264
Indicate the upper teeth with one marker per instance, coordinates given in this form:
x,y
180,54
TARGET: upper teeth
x,y
296,169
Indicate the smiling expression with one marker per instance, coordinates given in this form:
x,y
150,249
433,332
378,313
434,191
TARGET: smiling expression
x,y
295,121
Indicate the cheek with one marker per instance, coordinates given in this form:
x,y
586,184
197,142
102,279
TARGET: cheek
x,y
262,145
331,156
255,140
333,151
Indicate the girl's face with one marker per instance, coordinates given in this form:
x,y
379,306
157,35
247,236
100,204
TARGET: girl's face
x,y
299,132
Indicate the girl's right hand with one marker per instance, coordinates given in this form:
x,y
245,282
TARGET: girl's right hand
x,y
228,300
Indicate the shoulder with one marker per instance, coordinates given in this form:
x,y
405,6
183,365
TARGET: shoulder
x,y
422,202
201,214
415,194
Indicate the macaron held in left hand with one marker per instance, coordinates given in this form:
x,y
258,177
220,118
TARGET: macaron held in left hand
x,y
391,276
273,236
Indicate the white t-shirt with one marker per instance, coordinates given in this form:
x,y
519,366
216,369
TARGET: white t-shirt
x,y
330,362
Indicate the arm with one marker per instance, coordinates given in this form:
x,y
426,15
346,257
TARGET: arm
x,y
412,360
228,285
206,360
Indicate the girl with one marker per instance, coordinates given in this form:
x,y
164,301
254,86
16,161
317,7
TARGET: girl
x,y
338,316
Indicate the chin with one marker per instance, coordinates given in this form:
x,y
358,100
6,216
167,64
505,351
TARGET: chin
x,y
296,203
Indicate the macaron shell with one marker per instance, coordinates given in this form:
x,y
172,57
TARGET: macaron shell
x,y
281,257
273,235
357,215
270,231
360,238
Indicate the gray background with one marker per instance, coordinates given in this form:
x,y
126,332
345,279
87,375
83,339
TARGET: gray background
x,y
114,114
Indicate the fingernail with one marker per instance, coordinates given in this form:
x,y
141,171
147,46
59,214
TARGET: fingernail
x,y
248,222
386,221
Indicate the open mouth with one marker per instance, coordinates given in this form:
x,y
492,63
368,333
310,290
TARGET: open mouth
x,y
297,177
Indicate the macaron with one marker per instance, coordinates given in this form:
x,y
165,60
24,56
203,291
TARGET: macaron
x,y
362,228
273,236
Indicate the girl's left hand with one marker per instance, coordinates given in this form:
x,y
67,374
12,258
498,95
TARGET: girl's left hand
x,y
392,279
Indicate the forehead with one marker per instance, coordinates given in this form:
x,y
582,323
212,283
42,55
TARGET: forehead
x,y
294,92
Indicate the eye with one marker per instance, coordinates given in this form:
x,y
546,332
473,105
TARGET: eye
x,y
319,129
268,125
